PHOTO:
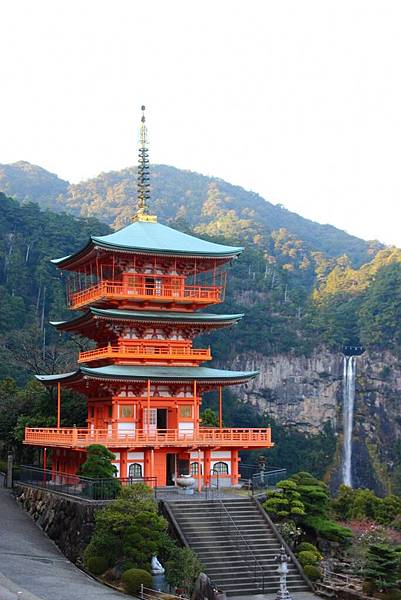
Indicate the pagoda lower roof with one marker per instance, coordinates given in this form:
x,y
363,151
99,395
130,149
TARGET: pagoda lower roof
x,y
151,238
146,316
143,373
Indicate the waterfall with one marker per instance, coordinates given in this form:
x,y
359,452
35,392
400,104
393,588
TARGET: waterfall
x,y
348,415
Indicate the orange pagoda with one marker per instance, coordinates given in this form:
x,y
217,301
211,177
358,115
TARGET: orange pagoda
x,y
140,291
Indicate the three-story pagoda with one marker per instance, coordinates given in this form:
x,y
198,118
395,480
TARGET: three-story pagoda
x,y
141,291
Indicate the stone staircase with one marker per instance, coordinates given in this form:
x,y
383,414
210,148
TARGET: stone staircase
x,y
235,544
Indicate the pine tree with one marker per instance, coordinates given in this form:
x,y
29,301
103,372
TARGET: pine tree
x,y
382,566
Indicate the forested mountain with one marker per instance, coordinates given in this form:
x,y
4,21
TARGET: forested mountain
x,y
30,183
302,286
207,205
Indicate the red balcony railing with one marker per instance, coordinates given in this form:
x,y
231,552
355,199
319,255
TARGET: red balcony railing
x,y
109,290
203,437
163,353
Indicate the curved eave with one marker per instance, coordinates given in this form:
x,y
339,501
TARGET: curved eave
x,y
147,316
59,377
160,374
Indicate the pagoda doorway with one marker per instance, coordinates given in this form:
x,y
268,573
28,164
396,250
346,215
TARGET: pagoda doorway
x,y
171,468
162,418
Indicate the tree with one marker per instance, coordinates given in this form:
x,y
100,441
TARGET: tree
x,y
128,529
285,502
98,463
209,418
382,567
183,569
315,496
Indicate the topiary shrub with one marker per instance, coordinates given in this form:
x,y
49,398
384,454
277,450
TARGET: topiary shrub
x,y
312,572
307,558
306,546
97,564
133,578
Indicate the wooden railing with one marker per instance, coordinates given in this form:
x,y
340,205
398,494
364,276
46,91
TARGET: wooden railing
x,y
203,437
136,352
108,290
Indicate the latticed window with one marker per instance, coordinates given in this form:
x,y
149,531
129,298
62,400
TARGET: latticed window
x,y
135,470
221,468
195,468
186,411
127,411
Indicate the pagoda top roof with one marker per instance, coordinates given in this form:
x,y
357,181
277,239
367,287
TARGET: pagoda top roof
x,y
151,316
143,373
152,238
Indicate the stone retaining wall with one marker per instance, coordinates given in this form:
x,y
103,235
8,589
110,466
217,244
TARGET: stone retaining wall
x,y
67,521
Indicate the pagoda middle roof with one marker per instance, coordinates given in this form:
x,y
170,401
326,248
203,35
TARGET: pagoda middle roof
x,y
151,316
152,238
143,373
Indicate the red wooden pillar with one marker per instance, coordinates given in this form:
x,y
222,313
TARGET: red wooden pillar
x,y
196,408
58,405
220,407
207,465
234,467
199,471
123,463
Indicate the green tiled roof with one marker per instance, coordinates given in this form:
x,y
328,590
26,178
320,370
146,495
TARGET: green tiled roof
x,y
155,238
151,316
139,373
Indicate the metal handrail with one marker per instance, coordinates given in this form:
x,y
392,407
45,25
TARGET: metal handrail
x,y
256,564
210,489
78,486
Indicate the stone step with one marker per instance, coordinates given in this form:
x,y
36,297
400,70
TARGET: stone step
x,y
227,546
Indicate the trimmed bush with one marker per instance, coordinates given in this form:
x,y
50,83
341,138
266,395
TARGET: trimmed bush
x,y
312,572
308,547
307,558
133,578
97,564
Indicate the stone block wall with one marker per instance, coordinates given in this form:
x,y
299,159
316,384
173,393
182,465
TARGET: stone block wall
x,y
68,522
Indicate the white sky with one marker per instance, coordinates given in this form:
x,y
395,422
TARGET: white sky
x,y
298,100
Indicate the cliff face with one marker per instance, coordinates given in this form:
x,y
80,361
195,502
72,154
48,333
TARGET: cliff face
x,y
306,392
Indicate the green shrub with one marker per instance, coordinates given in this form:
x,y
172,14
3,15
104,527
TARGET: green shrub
x,y
312,572
97,564
307,546
133,578
307,558
128,564
327,529
183,569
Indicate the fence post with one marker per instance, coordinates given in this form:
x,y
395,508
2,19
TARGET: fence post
x,y
10,470
141,590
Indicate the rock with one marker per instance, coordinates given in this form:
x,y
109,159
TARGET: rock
x,y
305,392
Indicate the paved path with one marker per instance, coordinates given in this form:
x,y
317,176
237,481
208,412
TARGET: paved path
x,y
32,567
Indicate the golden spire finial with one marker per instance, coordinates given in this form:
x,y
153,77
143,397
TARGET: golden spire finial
x,y
143,179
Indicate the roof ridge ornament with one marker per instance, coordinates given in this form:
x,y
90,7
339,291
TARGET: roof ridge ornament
x,y
143,179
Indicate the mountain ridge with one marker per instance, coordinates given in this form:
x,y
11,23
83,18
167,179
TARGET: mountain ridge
x,y
208,205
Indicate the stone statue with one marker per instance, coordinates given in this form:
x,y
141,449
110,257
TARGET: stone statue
x,y
156,567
